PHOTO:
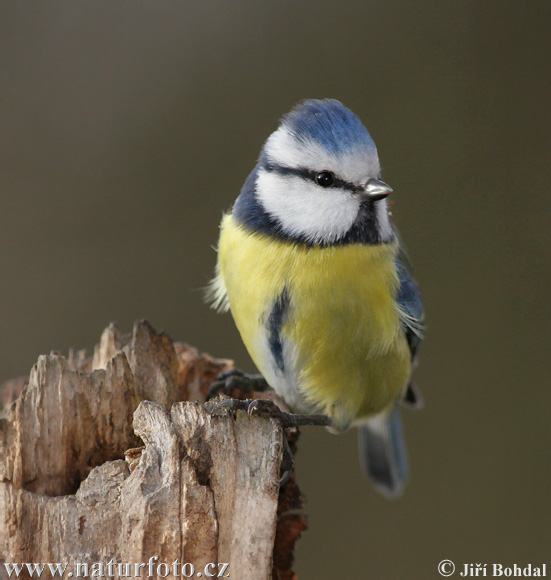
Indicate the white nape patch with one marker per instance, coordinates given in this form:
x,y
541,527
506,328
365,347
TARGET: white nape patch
x,y
306,209
355,165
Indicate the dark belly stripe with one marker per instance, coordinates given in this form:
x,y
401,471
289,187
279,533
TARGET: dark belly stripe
x,y
275,323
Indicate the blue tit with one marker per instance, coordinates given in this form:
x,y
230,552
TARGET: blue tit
x,y
319,286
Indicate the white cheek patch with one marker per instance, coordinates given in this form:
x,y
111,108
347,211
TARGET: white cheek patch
x,y
356,165
306,209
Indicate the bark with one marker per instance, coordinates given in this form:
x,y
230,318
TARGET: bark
x,y
115,458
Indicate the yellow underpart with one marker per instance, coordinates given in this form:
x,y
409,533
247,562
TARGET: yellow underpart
x,y
352,358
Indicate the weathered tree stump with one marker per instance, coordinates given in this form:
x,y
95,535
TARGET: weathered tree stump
x,y
77,486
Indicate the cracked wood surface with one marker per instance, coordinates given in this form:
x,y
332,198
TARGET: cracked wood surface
x,y
201,489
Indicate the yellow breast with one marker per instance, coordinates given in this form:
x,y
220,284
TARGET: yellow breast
x,y
350,356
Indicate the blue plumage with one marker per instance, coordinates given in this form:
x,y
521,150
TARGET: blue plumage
x,y
409,299
303,244
329,123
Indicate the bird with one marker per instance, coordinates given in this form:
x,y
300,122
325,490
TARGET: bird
x,y
320,286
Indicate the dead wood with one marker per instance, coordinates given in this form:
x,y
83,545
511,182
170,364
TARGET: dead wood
x,y
114,458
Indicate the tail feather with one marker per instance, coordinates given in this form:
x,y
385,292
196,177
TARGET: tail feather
x,y
383,453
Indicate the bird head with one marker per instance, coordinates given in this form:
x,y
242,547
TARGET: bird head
x,y
318,177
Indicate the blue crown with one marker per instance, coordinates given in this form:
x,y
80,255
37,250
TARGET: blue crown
x,y
329,123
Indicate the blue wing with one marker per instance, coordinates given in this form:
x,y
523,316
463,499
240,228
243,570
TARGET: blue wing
x,y
382,446
409,300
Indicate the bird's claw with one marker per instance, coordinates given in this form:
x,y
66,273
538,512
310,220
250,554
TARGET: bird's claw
x,y
268,409
287,463
260,407
264,408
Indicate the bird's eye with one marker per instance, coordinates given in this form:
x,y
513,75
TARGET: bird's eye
x,y
325,178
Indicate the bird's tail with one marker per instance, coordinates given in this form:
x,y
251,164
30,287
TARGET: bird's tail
x,y
383,452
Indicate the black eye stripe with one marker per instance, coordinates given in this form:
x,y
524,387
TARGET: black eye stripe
x,y
310,176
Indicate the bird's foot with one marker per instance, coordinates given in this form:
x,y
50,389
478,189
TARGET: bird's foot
x,y
229,381
268,409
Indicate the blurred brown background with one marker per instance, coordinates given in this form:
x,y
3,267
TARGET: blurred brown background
x,y
128,127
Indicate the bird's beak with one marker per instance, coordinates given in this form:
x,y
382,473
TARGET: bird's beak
x,y
375,189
